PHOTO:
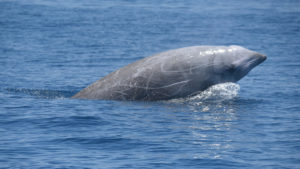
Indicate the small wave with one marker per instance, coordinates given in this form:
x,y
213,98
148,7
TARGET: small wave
x,y
221,92
101,142
215,94
40,93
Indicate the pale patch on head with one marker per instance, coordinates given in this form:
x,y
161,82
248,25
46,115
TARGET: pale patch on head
x,y
221,51
218,51
235,47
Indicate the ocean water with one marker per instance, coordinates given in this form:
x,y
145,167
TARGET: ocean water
x,y
49,50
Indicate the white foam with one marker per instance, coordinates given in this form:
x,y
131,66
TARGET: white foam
x,y
216,93
224,91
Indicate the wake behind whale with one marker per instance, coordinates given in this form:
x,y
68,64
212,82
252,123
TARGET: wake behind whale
x,y
174,74
216,93
41,93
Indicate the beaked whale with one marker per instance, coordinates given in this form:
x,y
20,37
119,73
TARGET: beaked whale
x,y
175,73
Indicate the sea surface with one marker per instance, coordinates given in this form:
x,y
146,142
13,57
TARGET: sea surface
x,y
51,49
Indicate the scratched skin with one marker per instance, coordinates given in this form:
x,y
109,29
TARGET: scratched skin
x,y
174,73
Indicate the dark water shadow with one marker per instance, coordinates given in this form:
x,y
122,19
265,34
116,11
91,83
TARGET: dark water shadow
x,y
42,93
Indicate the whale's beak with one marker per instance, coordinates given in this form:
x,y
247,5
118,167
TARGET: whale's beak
x,y
246,64
259,58
264,57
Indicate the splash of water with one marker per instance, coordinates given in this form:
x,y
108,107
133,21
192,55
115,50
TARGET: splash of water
x,y
215,94
224,91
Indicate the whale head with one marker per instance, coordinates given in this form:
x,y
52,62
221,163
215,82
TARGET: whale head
x,y
235,63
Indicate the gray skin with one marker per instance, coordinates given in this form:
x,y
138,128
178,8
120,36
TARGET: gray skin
x,y
175,73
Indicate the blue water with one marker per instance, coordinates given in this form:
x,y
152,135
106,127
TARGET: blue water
x,y
49,50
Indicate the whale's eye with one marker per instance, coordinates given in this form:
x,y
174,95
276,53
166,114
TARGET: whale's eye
x,y
231,69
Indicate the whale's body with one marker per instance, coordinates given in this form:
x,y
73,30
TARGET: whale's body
x,y
174,73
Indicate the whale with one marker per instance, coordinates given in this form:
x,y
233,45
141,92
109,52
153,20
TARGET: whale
x,y
174,74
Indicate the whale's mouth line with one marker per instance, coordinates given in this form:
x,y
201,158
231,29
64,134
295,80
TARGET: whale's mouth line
x,y
252,63
256,62
248,66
